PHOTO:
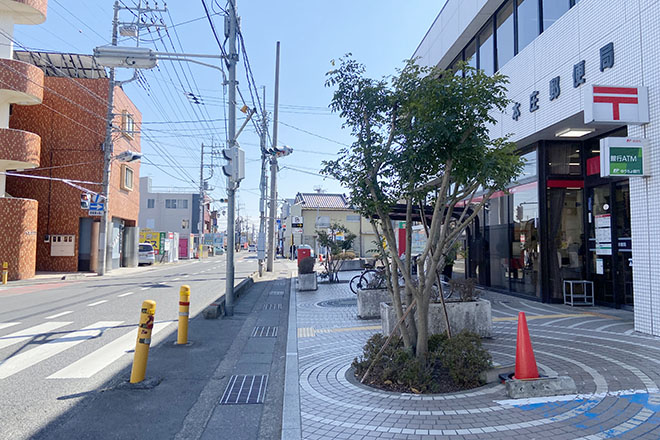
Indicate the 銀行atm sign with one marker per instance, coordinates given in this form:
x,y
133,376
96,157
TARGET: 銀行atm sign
x,y
616,105
622,157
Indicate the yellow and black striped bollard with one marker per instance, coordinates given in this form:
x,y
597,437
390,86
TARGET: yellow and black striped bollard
x,y
184,313
147,316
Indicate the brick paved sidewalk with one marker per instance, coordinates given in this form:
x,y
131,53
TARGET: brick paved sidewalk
x,y
616,370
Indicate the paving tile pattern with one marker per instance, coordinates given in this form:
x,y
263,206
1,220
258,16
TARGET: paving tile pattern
x,y
617,373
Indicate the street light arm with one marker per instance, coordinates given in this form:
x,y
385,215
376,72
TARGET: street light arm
x,y
213,66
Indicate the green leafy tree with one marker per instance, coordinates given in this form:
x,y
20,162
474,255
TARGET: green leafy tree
x,y
337,240
422,138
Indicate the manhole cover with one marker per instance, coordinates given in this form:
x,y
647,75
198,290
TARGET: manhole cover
x,y
344,302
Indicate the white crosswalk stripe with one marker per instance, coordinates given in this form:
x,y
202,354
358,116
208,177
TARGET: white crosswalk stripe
x,y
98,360
38,354
30,333
8,324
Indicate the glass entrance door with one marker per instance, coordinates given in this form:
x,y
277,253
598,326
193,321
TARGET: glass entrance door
x,y
600,243
610,244
621,218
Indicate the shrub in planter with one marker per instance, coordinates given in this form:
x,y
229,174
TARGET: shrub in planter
x,y
306,265
452,364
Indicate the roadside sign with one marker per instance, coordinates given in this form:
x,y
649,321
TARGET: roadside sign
x,y
96,205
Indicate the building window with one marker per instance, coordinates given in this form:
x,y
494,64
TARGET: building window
x,y
470,54
151,203
182,204
486,49
127,124
185,224
505,35
552,10
126,178
170,203
528,22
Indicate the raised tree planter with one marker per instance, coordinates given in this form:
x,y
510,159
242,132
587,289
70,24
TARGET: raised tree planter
x,y
307,281
356,264
473,316
368,302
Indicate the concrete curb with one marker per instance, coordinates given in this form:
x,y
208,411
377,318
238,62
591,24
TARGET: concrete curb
x,y
217,308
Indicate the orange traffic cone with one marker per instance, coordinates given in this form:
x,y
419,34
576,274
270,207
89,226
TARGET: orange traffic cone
x,y
525,361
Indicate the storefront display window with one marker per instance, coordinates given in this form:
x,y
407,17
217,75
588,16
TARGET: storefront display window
x,y
499,241
525,261
565,237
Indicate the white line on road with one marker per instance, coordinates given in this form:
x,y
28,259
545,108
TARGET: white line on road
x,y
59,314
125,294
145,288
176,279
97,303
31,357
185,276
30,333
8,324
97,360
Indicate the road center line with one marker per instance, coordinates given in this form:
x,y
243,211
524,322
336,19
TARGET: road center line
x,y
97,303
125,294
59,314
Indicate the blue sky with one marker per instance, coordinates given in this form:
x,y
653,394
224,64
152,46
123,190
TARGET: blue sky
x,y
380,34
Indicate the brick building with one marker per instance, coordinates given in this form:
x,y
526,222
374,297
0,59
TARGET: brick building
x,y
71,124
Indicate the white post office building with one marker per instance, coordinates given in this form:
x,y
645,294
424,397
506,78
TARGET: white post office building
x,y
585,113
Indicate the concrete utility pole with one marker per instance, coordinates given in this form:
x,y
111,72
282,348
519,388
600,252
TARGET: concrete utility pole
x,y
232,23
200,247
104,239
261,240
273,168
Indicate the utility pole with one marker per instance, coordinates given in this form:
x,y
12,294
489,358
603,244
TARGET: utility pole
x,y
232,23
273,168
108,147
261,240
200,247
104,239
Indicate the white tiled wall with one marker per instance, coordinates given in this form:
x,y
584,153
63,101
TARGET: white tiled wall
x,y
632,25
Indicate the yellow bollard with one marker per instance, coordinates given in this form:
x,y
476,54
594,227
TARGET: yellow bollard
x,y
184,312
5,272
144,339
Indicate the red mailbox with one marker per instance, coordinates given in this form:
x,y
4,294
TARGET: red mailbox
x,y
304,253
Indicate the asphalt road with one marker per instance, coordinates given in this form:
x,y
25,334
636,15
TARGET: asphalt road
x,y
62,340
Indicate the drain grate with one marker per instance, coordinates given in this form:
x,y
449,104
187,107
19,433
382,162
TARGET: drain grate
x,y
343,302
243,390
264,332
272,306
276,292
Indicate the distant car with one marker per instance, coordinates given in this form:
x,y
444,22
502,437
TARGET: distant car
x,y
146,254
252,248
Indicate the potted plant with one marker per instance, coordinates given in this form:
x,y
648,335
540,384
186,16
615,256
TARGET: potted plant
x,y
306,274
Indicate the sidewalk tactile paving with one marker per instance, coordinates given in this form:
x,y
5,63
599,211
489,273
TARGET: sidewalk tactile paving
x,y
617,373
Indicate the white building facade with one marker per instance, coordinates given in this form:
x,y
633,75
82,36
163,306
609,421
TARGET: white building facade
x,y
562,221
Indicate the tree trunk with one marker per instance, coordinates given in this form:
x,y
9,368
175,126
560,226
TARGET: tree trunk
x,y
422,314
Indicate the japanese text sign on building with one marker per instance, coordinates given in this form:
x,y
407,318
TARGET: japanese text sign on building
x,y
616,105
622,157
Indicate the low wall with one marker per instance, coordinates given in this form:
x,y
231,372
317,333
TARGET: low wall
x,y
473,316
368,302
